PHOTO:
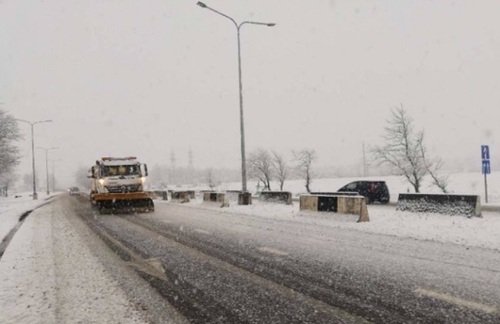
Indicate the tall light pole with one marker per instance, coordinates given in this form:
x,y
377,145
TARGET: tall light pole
x,y
47,149
242,125
32,124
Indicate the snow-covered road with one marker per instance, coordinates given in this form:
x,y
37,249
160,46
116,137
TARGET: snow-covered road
x,y
399,265
55,270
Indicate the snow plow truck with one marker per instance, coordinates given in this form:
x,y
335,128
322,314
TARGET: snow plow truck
x,y
118,185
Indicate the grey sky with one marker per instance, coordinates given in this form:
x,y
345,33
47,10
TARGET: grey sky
x,y
123,77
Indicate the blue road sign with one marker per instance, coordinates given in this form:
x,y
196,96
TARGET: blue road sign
x,y
485,152
486,167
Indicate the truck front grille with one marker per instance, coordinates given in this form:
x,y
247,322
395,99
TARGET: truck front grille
x,y
121,189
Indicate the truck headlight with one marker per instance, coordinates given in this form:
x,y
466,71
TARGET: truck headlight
x,y
101,181
143,179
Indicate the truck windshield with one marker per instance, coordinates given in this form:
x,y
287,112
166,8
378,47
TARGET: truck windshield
x,y
118,170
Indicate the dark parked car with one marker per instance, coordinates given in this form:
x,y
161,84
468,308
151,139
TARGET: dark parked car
x,y
371,190
74,191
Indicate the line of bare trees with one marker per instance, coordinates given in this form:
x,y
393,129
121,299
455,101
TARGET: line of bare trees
x,y
264,166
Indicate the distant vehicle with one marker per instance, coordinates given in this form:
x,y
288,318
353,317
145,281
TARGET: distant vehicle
x,y
371,190
74,191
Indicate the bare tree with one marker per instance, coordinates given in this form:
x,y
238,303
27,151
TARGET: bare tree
x,y
9,134
280,168
304,159
259,165
433,165
404,150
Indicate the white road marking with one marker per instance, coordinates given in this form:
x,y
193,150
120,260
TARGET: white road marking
x,y
201,231
457,301
272,251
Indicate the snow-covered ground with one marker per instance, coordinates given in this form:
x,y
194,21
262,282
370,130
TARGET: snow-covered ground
x,y
21,265
476,231
29,274
55,270
480,232
11,208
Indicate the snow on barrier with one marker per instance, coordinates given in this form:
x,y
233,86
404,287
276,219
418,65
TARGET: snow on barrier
x,y
469,205
336,204
218,198
284,197
337,193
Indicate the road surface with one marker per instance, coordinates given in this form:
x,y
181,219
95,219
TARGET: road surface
x,y
212,267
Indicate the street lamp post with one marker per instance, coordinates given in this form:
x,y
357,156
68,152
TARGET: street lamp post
x,y
32,124
47,163
242,125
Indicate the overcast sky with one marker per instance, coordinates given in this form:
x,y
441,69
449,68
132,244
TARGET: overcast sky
x,y
147,78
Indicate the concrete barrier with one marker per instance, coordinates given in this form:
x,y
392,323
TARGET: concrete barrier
x,y
284,197
244,199
337,204
450,204
157,194
180,196
218,198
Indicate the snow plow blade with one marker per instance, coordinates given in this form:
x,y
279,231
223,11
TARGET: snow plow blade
x,y
123,202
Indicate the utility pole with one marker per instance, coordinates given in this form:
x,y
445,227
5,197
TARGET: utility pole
x,y
32,124
240,84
